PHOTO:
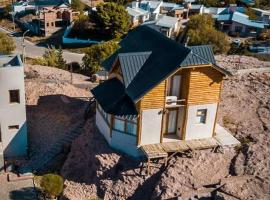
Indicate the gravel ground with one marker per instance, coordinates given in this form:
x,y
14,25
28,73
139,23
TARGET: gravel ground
x,y
54,106
94,169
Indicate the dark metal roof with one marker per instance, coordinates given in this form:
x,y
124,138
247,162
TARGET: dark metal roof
x,y
131,63
147,57
112,97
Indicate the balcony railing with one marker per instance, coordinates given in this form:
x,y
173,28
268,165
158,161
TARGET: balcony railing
x,y
173,101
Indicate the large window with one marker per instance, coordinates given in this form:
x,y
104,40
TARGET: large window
x,y
105,115
201,116
14,96
124,125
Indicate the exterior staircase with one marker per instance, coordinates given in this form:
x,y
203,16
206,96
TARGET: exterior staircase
x,y
37,164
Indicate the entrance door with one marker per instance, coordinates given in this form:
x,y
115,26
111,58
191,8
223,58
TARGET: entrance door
x,y
172,120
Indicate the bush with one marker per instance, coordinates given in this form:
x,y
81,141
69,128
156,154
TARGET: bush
x,y
52,57
7,44
52,185
96,54
201,31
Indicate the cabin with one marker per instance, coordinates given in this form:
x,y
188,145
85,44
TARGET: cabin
x,y
158,91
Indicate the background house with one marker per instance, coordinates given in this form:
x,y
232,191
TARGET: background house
x,y
13,130
158,91
45,17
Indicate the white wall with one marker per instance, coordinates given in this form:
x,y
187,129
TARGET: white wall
x,y
103,126
125,143
151,126
14,141
199,131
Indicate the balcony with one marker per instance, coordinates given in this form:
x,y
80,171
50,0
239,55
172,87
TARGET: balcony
x,y
173,101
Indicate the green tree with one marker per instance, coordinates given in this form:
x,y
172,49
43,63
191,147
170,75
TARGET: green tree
x,y
61,63
96,54
113,19
77,5
7,44
251,13
201,31
209,3
52,185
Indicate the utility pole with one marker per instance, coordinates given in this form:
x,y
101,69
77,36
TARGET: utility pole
x,y
23,45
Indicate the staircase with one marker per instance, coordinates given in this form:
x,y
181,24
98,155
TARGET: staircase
x,y
39,163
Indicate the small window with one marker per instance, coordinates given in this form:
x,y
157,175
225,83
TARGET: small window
x,y
201,116
48,24
14,96
119,124
52,23
131,128
13,127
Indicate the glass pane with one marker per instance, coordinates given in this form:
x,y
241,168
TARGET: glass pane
x,y
132,128
119,124
201,116
172,121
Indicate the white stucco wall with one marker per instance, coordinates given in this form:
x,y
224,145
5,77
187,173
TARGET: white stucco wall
x,y
125,143
103,126
151,126
198,131
14,141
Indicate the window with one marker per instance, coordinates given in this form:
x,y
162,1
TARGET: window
x,y
119,124
48,24
14,96
201,116
131,128
52,23
127,126
13,127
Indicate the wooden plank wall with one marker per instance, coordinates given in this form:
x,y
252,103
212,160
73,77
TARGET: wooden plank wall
x,y
155,98
204,85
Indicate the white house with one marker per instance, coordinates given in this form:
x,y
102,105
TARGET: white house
x,y
158,91
13,129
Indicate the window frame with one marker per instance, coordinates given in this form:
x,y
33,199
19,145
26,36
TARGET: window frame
x,y
125,125
202,115
18,100
13,127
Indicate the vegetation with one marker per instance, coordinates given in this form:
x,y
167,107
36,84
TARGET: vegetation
x,y
77,5
265,35
52,185
112,19
96,54
7,44
214,3
201,31
251,13
52,57
264,4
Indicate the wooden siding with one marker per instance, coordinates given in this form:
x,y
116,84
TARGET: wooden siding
x,y
155,98
204,85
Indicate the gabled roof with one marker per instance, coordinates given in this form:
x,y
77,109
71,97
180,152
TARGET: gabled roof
x,y
131,64
112,97
147,57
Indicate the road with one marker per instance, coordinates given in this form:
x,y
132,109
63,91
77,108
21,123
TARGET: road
x,y
32,50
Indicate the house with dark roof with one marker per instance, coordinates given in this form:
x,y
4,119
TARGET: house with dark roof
x,y
158,91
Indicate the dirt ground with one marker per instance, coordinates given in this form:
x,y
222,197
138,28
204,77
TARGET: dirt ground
x,y
54,106
93,169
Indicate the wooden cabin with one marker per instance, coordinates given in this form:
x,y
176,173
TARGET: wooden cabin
x,y
158,91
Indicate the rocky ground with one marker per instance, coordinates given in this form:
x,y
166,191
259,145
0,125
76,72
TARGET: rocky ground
x,y
54,105
93,169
